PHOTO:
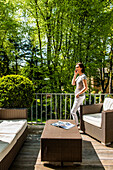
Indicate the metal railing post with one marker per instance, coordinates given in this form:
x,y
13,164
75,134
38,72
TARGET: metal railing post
x,y
65,105
46,107
70,106
36,109
41,108
51,107
60,105
55,106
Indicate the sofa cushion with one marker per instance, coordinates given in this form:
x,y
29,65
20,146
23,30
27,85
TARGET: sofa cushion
x,y
111,107
107,105
12,126
94,119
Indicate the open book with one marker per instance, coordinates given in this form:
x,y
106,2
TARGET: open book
x,y
65,125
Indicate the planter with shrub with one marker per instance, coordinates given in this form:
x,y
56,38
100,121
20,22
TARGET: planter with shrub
x,y
16,93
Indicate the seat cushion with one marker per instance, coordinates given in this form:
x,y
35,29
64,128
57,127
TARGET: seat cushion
x,y
111,107
12,126
94,119
107,105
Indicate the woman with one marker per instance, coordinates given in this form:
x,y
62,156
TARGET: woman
x,y
81,87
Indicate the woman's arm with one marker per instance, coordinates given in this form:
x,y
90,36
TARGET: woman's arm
x,y
84,89
73,80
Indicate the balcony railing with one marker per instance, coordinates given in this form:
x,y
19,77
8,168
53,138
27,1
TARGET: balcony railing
x,y
58,105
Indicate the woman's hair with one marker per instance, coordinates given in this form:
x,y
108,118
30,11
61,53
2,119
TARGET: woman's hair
x,y
81,66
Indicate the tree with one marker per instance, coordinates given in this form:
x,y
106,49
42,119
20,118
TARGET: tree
x,y
60,34
9,30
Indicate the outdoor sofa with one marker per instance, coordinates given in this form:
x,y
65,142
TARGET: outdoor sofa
x,y
97,120
13,132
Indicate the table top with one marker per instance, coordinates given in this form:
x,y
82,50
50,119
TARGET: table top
x,y
53,132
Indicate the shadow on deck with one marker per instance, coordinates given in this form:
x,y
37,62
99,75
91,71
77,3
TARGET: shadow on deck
x,y
94,154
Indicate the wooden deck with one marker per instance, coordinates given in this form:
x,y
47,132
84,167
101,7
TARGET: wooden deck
x,y
95,155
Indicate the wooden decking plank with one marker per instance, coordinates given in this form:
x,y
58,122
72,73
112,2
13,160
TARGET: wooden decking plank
x,y
84,167
107,162
108,167
27,156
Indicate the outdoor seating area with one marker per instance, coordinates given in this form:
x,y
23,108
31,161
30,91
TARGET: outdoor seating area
x,y
37,147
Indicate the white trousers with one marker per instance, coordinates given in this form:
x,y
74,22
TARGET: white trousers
x,y
76,106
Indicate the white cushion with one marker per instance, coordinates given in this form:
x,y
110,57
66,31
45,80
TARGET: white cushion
x,y
11,126
107,104
94,119
111,107
7,138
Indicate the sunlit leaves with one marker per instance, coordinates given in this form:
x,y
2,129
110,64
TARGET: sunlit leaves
x,y
64,32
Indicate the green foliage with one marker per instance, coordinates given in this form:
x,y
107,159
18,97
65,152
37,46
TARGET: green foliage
x,y
16,92
109,95
51,36
11,34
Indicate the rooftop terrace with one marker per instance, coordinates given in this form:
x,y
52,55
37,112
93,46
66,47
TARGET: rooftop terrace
x,y
94,154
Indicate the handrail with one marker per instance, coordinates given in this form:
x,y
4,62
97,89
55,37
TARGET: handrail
x,y
58,105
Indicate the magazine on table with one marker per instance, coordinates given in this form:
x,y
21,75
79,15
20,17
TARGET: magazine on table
x,y
65,125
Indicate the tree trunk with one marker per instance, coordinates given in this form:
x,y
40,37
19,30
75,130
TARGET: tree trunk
x,y
39,37
49,37
16,66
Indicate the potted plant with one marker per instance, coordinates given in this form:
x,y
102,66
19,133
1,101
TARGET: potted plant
x,y
16,95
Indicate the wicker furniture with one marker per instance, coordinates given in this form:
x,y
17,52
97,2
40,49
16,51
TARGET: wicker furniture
x,y
60,145
14,116
97,120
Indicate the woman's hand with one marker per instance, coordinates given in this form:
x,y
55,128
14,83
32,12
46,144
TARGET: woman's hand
x,y
77,96
73,80
75,72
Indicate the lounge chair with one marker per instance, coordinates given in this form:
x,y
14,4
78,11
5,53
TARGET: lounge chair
x,y
97,120
13,132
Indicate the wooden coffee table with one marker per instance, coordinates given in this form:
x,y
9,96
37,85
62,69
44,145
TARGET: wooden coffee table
x,y
61,145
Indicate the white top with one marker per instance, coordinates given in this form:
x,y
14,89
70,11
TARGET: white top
x,y
79,84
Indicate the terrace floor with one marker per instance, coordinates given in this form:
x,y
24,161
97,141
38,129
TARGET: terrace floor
x,y
95,155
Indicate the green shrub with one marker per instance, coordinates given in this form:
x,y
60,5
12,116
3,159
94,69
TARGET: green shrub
x,y
16,92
